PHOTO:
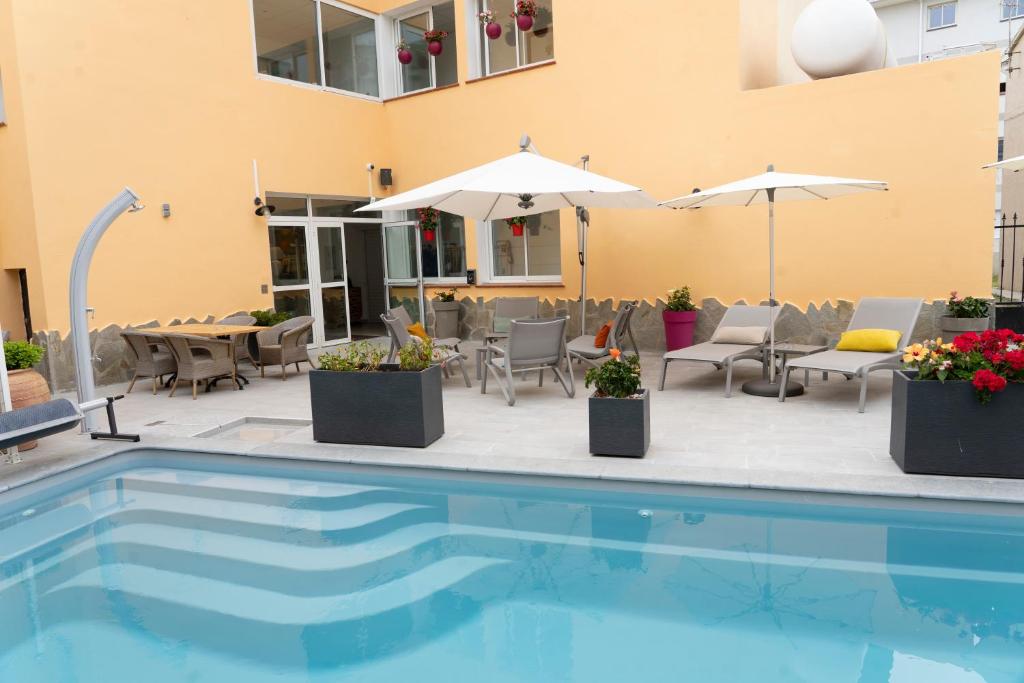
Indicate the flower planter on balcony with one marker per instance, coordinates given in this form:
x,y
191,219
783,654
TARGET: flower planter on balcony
x,y
620,426
942,428
387,408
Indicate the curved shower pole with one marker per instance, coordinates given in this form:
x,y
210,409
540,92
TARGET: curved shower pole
x,y
125,200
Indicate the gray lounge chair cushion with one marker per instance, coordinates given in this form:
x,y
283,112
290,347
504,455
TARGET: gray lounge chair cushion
x,y
584,346
842,361
753,334
709,352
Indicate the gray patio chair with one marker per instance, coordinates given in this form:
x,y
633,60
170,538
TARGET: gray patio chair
x,y
724,355
241,340
443,355
871,313
508,308
284,344
403,317
200,360
152,357
582,349
534,344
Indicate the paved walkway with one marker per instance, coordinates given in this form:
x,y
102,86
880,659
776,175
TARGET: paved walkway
x,y
816,442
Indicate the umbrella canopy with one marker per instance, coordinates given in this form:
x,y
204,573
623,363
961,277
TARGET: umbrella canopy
x,y
783,187
1011,164
517,185
770,187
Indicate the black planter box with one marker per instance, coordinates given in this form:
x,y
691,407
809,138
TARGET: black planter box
x,y
1010,316
942,428
620,426
391,408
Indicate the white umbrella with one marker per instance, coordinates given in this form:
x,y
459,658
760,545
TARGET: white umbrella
x,y
1011,164
522,184
771,187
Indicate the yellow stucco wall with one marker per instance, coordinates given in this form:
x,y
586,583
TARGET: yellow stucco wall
x,y
164,97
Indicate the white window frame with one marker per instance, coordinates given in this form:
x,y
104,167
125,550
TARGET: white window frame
x,y
322,85
429,11
482,59
485,236
940,6
1017,13
441,280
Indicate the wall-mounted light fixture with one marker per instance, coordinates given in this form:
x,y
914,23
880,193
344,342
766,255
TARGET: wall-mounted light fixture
x,y
263,209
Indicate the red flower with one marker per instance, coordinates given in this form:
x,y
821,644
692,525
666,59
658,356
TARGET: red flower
x,y
986,380
966,342
1015,359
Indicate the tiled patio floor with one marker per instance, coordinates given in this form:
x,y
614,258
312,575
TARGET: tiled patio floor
x,y
816,442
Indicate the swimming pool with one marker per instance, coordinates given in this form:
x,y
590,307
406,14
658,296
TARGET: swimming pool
x,y
175,567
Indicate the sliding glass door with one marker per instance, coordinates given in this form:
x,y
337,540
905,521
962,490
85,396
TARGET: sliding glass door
x,y
403,269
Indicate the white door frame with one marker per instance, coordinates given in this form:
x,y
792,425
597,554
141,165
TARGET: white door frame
x,y
417,281
311,226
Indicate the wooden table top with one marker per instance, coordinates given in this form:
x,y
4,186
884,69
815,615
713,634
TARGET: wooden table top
x,y
203,329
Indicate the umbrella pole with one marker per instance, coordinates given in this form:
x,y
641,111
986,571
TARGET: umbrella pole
x,y
771,285
5,396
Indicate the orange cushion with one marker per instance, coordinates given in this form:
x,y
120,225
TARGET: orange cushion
x,y
417,330
602,336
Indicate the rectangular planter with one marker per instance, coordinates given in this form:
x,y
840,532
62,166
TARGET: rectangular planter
x,y
620,426
391,408
942,428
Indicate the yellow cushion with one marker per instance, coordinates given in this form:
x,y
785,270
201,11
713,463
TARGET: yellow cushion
x,y
416,330
879,341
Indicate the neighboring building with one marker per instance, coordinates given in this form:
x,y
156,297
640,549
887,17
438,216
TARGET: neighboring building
x,y
929,30
177,99
1008,263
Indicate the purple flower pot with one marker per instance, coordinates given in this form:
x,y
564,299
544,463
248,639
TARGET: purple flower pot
x,y
524,22
435,47
404,56
493,30
679,328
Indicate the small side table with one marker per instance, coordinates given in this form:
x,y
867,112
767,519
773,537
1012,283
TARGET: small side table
x,y
785,350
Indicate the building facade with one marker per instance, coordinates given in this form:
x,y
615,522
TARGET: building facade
x,y
201,106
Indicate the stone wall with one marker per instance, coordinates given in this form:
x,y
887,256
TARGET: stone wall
x,y
818,324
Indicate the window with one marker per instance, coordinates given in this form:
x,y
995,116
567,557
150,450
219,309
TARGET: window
x,y
941,16
534,256
444,258
1012,9
292,35
424,71
515,48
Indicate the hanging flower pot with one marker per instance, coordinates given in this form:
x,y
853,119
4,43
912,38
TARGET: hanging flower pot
x,y
429,219
491,28
404,53
517,225
525,11
434,41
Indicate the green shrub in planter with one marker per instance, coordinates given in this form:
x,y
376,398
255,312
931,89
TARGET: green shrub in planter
x,y
22,355
269,317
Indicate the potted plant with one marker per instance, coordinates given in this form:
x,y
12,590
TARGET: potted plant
x,y
358,399
434,40
964,315
516,223
524,12
680,317
28,387
491,28
428,222
446,314
269,317
958,407
620,410
404,53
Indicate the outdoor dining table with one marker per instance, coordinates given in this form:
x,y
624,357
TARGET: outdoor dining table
x,y
210,330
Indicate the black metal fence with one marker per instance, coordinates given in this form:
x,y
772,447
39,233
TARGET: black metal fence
x,y
1008,281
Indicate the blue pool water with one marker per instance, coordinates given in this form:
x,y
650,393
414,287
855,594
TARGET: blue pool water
x,y
160,574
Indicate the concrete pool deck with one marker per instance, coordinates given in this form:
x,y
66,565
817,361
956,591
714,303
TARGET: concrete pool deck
x,y
817,442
